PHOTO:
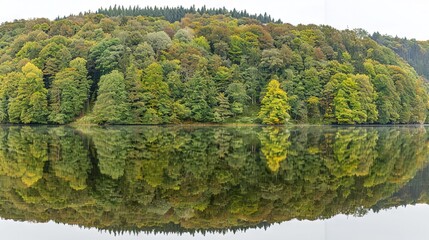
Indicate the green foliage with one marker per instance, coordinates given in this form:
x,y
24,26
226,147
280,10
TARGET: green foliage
x,y
156,95
222,111
158,41
200,97
107,55
8,91
183,72
30,104
111,105
69,92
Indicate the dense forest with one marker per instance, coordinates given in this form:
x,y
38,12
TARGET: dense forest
x,y
416,53
186,179
171,65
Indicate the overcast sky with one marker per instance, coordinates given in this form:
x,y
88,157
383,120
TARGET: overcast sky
x,y
394,224
403,18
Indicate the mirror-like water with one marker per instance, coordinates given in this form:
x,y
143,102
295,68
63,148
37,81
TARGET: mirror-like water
x,y
207,179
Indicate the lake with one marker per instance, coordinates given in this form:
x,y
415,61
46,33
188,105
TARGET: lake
x,y
175,182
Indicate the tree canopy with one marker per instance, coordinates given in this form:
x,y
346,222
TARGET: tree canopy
x,y
205,65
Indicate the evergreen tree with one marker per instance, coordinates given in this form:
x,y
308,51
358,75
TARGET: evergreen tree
x,y
222,111
200,96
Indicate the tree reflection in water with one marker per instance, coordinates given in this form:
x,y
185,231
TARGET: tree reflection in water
x,y
188,179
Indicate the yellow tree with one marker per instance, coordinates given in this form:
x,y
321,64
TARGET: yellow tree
x,y
274,105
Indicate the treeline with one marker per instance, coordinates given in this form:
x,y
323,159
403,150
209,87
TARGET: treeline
x,y
173,14
168,179
203,68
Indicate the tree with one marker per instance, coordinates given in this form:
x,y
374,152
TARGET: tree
x,y
200,96
388,101
52,58
271,60
106,56
134,89
143,55
8,91
111,105
183,35
222,110
158,40
156,95
69,92
274,105
237,92
348,105
367,97
30,105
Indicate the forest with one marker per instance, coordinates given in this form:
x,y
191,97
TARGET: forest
x,y
202,179
186,65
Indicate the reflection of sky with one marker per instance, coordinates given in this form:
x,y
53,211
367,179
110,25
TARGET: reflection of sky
x,y
410,222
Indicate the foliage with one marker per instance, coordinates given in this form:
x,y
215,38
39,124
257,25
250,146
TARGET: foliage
x,y
274,105
30,104
111,105
209,65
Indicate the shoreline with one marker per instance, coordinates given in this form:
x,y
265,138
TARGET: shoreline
x,y
220,125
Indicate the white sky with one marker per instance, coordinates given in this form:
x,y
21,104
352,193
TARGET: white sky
x,y
403,18
394,224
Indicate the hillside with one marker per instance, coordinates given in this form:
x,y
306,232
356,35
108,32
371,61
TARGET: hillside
x,y
210,66
416,53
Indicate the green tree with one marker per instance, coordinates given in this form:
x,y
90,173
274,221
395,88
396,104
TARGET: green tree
x,y
8,91
69,92
111,106
30,104
200,96
156,95
222,110
135,96
348,107
106,56
159,41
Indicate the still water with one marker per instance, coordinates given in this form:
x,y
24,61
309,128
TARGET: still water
x,y
214,182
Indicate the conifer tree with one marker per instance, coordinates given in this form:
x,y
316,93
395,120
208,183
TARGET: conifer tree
x,y
222,111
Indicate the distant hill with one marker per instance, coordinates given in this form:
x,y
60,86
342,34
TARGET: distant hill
x,y
416,53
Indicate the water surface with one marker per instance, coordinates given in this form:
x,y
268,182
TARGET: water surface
x,y
213,180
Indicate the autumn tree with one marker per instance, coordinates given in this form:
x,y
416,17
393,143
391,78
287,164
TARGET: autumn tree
x,y
30,104
274,105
